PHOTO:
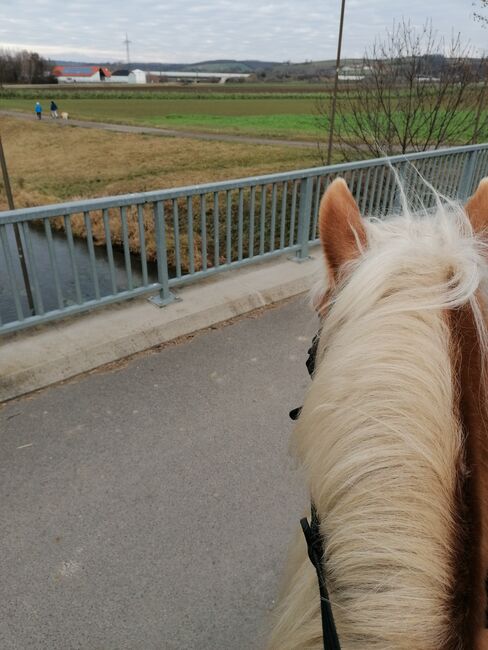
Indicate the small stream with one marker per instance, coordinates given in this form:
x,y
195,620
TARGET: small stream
x,y
45,276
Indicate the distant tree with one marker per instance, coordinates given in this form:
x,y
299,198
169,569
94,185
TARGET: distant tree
x,y
24,67
411,98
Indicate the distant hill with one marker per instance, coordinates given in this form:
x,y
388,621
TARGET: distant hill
x,y
266,71
220,65
260,69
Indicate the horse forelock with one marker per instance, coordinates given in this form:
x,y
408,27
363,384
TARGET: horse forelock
x,y
392,433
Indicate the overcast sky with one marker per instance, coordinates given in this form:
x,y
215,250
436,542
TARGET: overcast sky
x,y
191,30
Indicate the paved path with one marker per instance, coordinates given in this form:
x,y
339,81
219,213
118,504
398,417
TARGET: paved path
x,y
149,507
125,128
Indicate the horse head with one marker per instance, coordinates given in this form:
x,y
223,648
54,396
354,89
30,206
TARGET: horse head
x,y
392,436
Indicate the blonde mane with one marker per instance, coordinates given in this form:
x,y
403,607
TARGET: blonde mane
x,y
380,438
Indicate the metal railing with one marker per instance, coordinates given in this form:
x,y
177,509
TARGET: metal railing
x,y
85,254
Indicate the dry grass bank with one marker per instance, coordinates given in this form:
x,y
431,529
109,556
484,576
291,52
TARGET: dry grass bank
x,y
52,163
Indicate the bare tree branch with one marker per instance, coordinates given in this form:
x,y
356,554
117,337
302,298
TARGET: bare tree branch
x,y
481,18
23,67
417,92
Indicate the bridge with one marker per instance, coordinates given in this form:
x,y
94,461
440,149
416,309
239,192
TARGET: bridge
x,y
149,502
196,232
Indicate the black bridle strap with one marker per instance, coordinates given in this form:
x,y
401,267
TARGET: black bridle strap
x,y
310,363
314,538
316,555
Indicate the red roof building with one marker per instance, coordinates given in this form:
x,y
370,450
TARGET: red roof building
x,y
80,73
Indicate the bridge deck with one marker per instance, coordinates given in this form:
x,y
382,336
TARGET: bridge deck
x,y
150,506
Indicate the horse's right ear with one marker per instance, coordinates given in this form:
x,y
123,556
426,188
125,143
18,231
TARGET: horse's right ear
x,y
341,227
477,208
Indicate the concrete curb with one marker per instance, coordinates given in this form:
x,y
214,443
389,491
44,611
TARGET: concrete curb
x,y
47,354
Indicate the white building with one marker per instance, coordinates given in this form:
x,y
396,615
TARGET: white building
x,y
221,77
128,77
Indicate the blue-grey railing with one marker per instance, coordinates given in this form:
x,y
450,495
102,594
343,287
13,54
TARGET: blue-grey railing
x,y
85,254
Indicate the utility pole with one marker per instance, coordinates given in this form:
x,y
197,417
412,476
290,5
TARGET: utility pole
x,y
336,83
481,102
18,240
127,43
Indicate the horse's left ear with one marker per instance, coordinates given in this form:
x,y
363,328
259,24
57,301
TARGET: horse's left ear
x,y
341,227
477,208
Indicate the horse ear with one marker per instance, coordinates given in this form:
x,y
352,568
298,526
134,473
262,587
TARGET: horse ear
x,y
341,227
477,208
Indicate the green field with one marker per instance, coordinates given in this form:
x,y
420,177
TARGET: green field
x,y
279,116
293,115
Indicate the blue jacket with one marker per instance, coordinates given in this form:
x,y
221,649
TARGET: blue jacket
x,y
38,108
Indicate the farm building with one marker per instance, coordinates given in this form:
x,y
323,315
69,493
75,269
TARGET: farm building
x,y
128,77
81,73
218,77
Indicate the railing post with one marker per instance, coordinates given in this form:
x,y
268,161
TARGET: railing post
x,y
304,217
165,296
16,228
467,176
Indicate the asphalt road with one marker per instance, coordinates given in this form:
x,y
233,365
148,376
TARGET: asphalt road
x,y
150,506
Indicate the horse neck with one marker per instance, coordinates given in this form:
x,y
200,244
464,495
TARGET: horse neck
x,y
384,452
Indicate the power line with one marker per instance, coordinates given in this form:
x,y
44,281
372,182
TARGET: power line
x,y
127,43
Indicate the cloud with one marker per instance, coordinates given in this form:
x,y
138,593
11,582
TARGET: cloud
x,y
189,30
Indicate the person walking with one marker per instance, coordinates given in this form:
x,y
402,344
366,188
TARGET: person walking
x,y
38,110
54,110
